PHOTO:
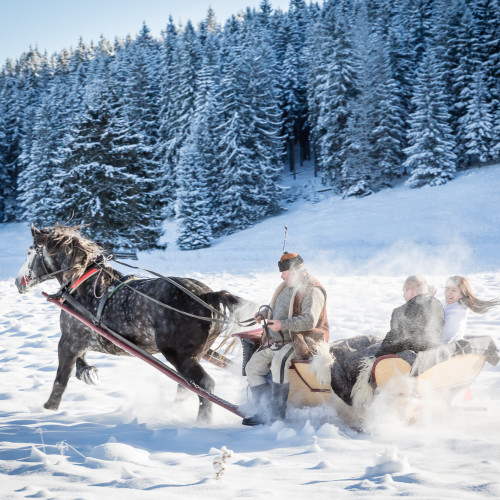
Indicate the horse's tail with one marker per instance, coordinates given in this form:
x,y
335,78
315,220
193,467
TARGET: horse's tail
x,y
230,304
223,298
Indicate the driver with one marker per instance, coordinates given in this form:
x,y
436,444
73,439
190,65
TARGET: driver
x,y
296,322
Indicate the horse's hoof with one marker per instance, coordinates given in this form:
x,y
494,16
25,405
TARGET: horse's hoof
x,y
50,406
89,375
204,418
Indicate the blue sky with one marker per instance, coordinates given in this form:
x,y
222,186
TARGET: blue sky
x,y
54,24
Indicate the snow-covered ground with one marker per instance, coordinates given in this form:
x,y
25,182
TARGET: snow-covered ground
x,y
125,439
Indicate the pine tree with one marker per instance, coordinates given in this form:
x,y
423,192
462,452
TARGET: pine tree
x,y
318,50
36,181
387,119
3,151
250,124
487,16
198,169
299,19
290,91
358,165
233,156
430,156
193,207
102,181
460,61
477,122
337,92
167,114
11,98
182,94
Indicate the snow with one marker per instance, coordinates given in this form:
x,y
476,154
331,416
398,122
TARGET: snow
x,y
125,438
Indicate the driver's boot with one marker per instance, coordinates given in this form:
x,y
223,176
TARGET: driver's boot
x,y
279,396
261,395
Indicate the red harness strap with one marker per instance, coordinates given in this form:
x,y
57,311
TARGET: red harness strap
x,y
80,280
83,278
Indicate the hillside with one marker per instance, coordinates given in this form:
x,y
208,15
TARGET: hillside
x,y
126,438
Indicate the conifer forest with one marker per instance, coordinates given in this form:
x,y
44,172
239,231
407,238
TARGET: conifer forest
x,y
200,123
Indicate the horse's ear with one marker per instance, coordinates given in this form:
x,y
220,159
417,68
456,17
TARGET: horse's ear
x,y
35,232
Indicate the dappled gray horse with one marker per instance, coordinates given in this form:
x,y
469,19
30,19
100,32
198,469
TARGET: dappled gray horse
x,y
61,252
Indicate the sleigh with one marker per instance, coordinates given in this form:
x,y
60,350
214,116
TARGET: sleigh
x,y
432,378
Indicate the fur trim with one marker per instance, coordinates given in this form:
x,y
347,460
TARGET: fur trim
x,y
321,363
362,392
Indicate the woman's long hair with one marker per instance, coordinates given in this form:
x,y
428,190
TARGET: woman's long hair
x,y
468,299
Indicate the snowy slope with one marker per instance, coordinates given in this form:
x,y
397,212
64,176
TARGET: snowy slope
x,y
125,439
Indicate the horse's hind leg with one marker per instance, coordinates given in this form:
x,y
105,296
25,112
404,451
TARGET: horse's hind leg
x,y
85,372
192,371
67,361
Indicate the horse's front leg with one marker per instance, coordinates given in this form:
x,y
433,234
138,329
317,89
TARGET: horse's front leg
x,y
191,370
85,372
67,361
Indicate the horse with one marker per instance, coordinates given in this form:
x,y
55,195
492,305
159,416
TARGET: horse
x,y
182,331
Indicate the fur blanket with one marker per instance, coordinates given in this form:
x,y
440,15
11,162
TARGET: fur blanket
x,y
349,362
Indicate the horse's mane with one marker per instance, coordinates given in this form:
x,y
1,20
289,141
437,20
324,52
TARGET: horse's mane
x,y
79,250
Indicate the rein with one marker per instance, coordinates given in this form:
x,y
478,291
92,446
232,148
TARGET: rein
x,y
226,319
63,294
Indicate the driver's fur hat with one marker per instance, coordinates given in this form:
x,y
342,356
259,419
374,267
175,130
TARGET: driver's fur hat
x,y
289,261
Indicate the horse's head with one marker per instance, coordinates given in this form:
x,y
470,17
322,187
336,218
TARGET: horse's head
x,y
57,252
36,266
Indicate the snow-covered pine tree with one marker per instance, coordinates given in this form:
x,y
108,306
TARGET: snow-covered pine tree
x,y
358,166
183,93
265,140
477,123
429,157
142,59
337,91
198,169
196,159
487,17
408,30
460,67
388,132
265,11
3,151
290,101
102,179
231,212
36,183
11,103
299,17
136,126
318,50
34,74
167,106
193,195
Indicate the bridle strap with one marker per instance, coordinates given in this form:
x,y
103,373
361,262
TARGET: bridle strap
x,y
44,277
